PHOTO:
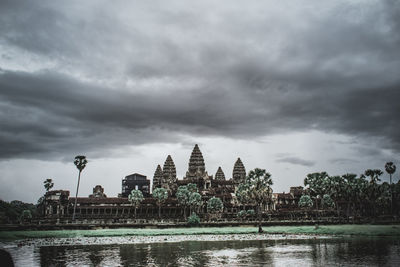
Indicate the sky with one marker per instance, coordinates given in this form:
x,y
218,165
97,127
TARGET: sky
x,y
293,87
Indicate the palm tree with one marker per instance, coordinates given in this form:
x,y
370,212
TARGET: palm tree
x,y
48,184
135,197
316,183
80,163
390,168
160,194
373,187
259,190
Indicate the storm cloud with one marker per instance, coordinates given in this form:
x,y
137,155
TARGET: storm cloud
x,y
97,76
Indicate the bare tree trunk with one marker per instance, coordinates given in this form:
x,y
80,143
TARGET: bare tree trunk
x,y
391,196
76,196
260,230
159,211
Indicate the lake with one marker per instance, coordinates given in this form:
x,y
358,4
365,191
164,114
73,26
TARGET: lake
x,y
315,251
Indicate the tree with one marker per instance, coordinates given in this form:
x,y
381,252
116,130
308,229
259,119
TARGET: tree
x,y
327,201
26,215
192,188
256,189
214,205
390,169
80,163
183,195
48,184
242,193
334,187
195,202
373,187
135,197
193,219
160,194
305,201
316,183
188,195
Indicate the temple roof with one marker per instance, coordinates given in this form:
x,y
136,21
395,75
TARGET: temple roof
x,y
196,161
220,175
239,172
169,169
157,178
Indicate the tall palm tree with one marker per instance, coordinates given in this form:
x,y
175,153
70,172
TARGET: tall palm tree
x,y
259,190
80,163
373,188
390,168
48,184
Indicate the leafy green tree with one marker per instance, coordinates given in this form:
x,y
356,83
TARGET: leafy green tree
x,y
160,194
250,213
195,202
135,197
305,201
327,201
193,219
390,169
242,214
335,187
80,163
257,189
215,205
242,193
384,198
373,191
316,183
192,188
26,215
48,184
183,195
349,191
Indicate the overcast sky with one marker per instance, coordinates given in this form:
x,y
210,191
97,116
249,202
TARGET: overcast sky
x,y
293,87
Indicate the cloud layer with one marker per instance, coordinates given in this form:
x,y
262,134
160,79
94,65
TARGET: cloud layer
x,y
97,76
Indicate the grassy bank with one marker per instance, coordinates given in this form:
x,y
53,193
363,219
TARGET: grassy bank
x,y
356,230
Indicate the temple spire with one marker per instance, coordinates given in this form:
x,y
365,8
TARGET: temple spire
x,y
157,178
169,180
196,162
219,175
239,172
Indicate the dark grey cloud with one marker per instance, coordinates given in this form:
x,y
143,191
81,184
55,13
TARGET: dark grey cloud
x,y
295,160
117,75
344,161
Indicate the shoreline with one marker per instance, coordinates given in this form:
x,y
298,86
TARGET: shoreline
x,y
320,230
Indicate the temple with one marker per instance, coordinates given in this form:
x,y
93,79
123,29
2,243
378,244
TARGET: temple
x,y
100,207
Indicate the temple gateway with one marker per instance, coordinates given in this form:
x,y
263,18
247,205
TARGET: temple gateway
x,y
98,207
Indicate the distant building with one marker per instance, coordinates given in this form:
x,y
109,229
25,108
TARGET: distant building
x,y
135,181
98,192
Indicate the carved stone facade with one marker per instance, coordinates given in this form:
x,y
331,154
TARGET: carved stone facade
x,y
197,168
239,172
98,205
98,192
169,179
220,175
158,177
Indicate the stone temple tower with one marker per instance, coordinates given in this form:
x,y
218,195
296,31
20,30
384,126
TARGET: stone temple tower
x,y
219,175
239,172
169,180
157,178
197,169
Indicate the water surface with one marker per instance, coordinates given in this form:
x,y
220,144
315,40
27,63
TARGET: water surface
x,y
276,252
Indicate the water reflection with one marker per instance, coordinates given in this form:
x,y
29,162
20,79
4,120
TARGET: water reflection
x,y
311,252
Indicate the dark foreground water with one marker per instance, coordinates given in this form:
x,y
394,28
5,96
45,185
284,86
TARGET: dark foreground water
x,y
302,252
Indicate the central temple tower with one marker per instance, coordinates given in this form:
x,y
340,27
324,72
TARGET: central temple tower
x,y
197,169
